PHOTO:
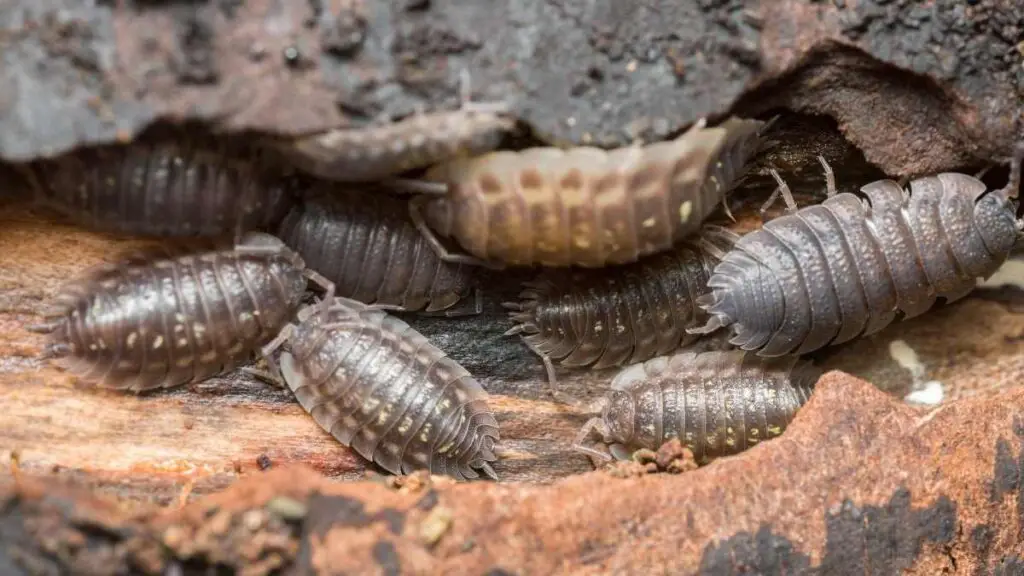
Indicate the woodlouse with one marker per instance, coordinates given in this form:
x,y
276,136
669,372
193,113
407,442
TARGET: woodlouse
x,y
380,387
826,274
378,152
583,206
170,184
367,246
162,319
621,315
716,403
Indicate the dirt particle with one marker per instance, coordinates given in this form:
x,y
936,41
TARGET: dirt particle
x,y
288,509
675,458
435,525
263,461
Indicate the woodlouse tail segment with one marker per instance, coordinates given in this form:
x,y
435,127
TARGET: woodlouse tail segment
x,y
55,350
716,321
327,285
485,467
272,376
269,348
593,425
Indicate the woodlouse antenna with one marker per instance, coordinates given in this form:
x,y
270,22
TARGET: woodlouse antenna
x,y
1013,184
830,177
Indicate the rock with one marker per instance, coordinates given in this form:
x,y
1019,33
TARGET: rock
x,y
918,88
859,483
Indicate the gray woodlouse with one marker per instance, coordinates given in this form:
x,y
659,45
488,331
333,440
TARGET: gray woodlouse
x,y
173,184
583,206
162,319
380,387
367,246
378,152
621,315
826,274
716,403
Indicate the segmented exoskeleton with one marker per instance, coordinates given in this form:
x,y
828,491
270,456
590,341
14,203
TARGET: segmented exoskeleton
x,y
716,403
174,183
380,387
584,206
620,315
163,319
378,152
366,244
826,274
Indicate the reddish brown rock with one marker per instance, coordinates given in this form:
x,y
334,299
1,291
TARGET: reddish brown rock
x,y
919,87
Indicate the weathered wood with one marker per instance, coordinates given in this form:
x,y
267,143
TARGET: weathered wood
x,y
859,484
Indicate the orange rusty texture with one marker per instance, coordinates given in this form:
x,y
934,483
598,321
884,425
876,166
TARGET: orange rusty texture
x,y
860,482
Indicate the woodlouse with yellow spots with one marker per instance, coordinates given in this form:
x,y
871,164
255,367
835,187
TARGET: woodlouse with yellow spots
x,y
716,403
364,242
583,206
621,315
164,318
381,388
171,183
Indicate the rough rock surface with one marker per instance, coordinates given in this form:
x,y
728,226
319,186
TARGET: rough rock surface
x,y
919,87
859,484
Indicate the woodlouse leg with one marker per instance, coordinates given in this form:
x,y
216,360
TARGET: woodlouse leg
x,y
460,310
549,368
981,173
327,285
415,212
466,98
44,328
268,377
413,186
592,425
55,351
783,189
830,177
768,203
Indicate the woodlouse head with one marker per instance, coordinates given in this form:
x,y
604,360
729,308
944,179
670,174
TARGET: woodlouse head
x,y
995,214
619,414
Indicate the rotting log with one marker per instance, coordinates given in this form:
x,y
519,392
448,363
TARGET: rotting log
x,y
182,443
918,88
859,484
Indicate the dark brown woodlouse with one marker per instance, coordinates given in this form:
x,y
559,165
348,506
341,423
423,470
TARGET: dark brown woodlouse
x,y
826,274
621,315
380,387
716,403
176,183
162,318
367,246
584,206
378,152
